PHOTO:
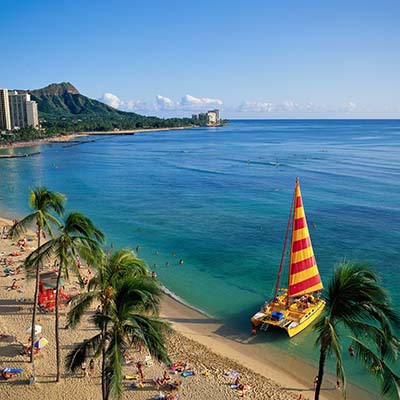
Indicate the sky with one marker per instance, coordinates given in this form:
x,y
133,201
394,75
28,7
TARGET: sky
x,y
251,59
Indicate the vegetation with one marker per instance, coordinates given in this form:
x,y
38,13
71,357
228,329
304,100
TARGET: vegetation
x,y
42,202
359,309
128,295
77,237
129,299
62,109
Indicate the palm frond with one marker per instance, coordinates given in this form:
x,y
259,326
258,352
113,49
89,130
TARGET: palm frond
x,y
18,229
114,365
388,378
81,351
80,303
150,332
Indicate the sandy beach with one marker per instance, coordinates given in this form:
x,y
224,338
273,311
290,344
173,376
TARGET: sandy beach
x,y
73,136
198,340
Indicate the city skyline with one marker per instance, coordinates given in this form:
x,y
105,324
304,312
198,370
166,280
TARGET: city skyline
x,y
269,60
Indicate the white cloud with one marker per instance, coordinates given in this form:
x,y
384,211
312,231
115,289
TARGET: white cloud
x,y
254,106
288,106
111,100
162,103
189,102
165,103
128,105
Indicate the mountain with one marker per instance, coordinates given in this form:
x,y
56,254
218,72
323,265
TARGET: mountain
x,y
62,108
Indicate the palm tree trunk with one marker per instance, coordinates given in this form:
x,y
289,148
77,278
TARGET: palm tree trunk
x,y
104,385
322,359
35,306
56,324
104,381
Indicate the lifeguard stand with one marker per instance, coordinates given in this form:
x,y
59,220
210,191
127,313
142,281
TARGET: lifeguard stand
x,y
47,290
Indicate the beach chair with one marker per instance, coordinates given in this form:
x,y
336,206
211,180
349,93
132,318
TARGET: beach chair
x,y
148,361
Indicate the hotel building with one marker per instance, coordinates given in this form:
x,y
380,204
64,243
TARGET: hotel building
x,y
5,120
23,111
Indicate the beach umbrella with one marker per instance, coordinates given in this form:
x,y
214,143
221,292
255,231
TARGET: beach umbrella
x,y
38,329
42,342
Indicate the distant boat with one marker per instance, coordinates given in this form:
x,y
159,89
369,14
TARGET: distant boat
x,y
295,307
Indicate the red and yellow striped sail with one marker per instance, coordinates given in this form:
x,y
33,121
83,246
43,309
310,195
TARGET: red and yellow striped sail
x,y
303,271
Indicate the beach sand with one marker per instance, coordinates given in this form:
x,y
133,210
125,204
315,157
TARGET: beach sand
x,y
202,342
72,136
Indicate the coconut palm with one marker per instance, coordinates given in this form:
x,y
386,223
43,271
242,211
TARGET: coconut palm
x,y
129,300
359,309
77,237
43,203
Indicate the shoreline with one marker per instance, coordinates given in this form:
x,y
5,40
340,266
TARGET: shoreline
x,y
71,136
251,353
287,371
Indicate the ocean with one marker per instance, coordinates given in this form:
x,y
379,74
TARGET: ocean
x,y
218,199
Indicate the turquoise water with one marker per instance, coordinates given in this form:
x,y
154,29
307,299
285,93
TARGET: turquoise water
x,y
220,198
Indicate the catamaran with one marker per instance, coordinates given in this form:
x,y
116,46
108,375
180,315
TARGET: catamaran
x,y
295,307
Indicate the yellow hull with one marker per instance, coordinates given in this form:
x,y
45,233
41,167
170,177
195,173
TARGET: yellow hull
x,y
293,318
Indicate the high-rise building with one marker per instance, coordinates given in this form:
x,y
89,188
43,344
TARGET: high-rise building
x,y
23,111
5,121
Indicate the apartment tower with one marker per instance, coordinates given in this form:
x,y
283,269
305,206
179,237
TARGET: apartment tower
x,y
5,119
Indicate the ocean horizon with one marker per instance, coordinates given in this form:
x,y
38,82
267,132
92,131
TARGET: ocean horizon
x,y
218,199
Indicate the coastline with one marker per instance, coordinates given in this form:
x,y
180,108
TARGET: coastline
x,y
289,372
224,346
72,136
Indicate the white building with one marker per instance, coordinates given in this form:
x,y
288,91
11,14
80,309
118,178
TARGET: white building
x,y
5,120
23,111
211,117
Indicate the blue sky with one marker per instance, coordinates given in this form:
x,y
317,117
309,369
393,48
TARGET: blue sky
x,y
252,59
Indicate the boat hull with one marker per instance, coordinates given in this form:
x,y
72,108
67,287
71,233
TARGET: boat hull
x,y
293,319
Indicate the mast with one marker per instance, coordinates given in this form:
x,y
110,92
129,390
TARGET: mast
x,y
284,248
291,236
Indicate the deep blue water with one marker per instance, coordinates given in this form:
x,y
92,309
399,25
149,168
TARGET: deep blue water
x,y
220,198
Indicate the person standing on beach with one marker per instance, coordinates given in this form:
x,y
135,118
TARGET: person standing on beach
x,y
315,381
84,369
91,367
139,367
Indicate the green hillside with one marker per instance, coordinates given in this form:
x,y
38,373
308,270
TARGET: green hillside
x,y
62,108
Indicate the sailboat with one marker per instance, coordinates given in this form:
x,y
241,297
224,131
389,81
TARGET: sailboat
x,y
297,306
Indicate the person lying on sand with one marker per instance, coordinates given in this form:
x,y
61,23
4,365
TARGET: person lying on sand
x,y
14,285
8,373
180,366
163,381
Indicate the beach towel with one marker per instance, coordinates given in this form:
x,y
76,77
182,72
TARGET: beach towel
x,y
232,374
187,373
131,377
13,370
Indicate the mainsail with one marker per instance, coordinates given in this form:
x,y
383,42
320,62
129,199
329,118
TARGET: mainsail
x,y
303,271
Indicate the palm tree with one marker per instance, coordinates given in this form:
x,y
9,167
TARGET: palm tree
x,y
43,202
77,237
129,300
359,309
